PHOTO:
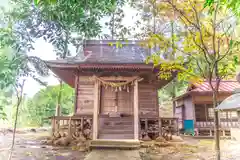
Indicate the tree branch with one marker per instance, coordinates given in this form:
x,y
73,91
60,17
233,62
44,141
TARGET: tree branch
x,y
19,100
205,52
214,30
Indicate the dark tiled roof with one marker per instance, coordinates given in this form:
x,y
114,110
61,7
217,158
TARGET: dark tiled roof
x,y
112,54
102,52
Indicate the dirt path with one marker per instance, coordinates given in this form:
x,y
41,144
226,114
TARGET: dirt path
x,y
28,147
113,155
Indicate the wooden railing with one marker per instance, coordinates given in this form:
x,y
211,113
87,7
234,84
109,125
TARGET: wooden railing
x,y
203,124
76,122
159,125
151,125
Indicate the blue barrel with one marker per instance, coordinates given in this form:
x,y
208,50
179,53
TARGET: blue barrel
x,y
189,126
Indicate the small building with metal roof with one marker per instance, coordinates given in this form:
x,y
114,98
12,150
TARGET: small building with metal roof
x,y
196,104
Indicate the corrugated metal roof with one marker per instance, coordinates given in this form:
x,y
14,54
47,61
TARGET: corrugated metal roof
x,y
230,103
225,86
101,52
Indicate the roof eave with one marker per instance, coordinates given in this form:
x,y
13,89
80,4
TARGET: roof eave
x,y
200,94
85,65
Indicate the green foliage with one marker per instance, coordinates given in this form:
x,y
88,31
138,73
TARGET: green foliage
x,y
204,51
172,90
61,23
117,29
8,71
42,105
234,5
5,102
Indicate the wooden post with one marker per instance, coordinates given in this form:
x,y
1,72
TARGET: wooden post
x,y
160,126
53,125
238,114
177,127
95,110
76,92
146,124
81,124
135,111
210,132
206,112
223,133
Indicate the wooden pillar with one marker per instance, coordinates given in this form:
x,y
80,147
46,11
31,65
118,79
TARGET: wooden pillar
x,y
146,124
95,110
206,112
223,133
210,133
160,126
238,114
135,111
76,91
53,125
177,127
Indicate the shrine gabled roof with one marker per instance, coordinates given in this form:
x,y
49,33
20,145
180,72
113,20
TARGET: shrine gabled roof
x,y
225,87
101,52
129,56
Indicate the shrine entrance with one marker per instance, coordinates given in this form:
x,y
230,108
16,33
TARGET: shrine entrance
x,y
116,102
116,120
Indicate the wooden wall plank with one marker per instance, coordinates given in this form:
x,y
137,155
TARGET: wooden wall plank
x,y
85,98
148,101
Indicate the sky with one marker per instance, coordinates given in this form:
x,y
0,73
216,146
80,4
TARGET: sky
x,y
45,50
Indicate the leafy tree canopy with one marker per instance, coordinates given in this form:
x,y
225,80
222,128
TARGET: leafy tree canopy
x,y
43,103
207,40
61,23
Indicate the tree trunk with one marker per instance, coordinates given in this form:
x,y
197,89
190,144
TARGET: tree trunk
x,y
172,57
19,100
216,126
174,95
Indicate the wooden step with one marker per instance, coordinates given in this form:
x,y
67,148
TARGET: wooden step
x,y
119,144
116,122
116,131
117,119
130,127
116,136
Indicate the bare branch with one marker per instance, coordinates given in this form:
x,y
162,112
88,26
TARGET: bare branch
x,y
19,92
217,24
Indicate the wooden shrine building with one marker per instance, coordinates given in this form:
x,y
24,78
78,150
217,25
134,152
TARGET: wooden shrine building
x,y
196,104
115,89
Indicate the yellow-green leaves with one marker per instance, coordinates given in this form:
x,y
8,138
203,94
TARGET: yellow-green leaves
x,y
117,44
